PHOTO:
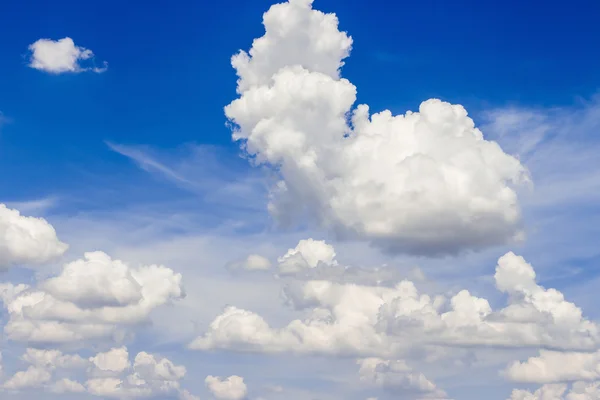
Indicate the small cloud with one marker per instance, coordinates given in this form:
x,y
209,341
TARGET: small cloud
x,y
253,262
62,56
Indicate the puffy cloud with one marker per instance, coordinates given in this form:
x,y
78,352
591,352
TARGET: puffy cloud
x,y
111,363
60,56
95,281
307,254
397,377
253,262
27,240
426,182
231,388
365,321
534,316
554,367
95,297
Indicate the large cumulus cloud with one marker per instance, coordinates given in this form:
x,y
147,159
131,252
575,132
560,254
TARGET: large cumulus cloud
x,y
426,182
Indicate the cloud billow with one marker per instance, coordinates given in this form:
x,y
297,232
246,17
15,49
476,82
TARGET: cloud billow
x,y
425,183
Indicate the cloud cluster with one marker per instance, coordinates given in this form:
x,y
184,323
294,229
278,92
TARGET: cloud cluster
x,y
426,182
60,56
27,240
108,375
92,298
555,370
361,320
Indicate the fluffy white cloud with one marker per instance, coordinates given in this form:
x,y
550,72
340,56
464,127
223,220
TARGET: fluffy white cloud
x,y
307,254
426,182
534,316
253,262
231,388
95,281
96,297
397,377
60,56
27,240
554,367
367,321
111,363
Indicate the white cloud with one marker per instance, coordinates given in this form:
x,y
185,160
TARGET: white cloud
x,y
307,254
555,367
426,182
93,298
112,363
27,240
231,388
365,321
397,377
96,281
60,56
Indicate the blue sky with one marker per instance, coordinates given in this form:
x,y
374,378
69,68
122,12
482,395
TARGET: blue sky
x,y
170,76
137,161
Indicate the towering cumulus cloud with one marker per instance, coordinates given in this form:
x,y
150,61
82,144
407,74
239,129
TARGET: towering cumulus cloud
x,y
426,182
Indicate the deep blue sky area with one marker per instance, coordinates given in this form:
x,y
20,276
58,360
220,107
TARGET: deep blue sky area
x,y
169,74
